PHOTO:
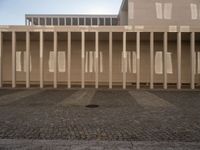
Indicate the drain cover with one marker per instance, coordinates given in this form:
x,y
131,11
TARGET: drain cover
x,y
92,106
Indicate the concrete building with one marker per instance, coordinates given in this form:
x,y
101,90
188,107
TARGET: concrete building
x,y
150,43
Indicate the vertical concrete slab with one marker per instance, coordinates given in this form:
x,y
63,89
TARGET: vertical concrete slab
x,y
97,60
192,51
165,60
69,60
138,61
13,59
55,40
179,60
1,49
110,59
151,60
83,59
27,59
124,60
41,60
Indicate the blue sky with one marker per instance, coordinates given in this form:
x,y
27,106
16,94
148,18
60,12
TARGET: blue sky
x,y
12,11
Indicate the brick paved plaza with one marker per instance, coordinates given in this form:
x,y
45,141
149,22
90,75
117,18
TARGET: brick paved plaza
x,y
127,118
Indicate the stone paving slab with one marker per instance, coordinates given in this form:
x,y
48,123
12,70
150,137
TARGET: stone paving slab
x,y
149,100
13,97
94,145
79,98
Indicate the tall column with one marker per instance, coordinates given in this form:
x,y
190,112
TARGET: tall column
x,y
192,51
83,60
97,60
179,60
151,60
69,60
138,61
55,58
124,60
27,59
41,60
110,59
165,60
1,49
13,59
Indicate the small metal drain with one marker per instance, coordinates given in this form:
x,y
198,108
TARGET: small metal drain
x,y
92,106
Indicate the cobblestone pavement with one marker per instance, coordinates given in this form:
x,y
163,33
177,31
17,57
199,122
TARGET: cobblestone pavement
x,y
94,145
122,115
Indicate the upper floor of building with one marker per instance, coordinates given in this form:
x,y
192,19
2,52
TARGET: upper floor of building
x,y
72,20
131,13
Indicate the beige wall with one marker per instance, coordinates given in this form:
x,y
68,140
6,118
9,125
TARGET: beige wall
x,y
104,47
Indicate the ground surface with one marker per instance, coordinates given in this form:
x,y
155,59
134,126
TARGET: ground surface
x,y
134,119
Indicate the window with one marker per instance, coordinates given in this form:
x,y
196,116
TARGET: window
x,y
194,11
164,10
26,63
90,61
159,62
18,61
131,10
130,64
61,61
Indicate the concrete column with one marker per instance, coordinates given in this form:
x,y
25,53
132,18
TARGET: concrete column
x,y
58,21
152,60
45,21
192,51
32,22
13,59
84,21
27,59
97,60
98,21
1,49
51,21
65,21
41,60
78,21
110,59
124,60
138,61
38,21
165,60
179,60
83,60
69,60
55,59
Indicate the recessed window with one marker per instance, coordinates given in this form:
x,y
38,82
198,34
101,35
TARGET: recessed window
x,y
131,10
164,11
90,61
194,11
130,64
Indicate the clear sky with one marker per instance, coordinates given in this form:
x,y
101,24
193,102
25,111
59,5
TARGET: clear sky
x,y
12,11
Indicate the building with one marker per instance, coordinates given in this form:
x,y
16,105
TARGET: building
x,y
150,43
